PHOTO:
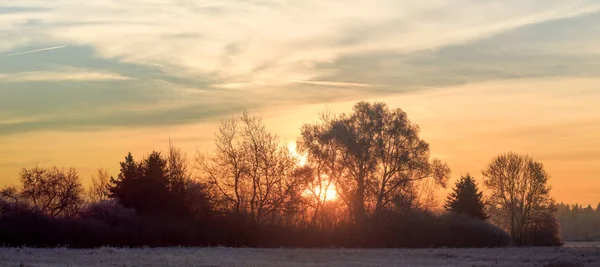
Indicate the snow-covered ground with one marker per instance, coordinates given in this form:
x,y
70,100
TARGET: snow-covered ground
x,y
514,257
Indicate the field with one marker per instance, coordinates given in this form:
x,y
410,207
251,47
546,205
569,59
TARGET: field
x,y
568,256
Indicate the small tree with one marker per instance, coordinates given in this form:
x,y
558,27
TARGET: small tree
x,y
520,197
56,192
99,188
466,199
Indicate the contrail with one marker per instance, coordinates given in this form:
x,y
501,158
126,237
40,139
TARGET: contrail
x,y
38,50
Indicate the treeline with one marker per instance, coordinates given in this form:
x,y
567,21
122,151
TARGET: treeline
x,y
252,190
579,223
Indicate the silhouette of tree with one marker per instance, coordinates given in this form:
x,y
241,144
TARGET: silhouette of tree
x,y
323,166
125,187
466,199
188,197
374,155
179,177
56,192
520,196
160,185
250,171
99,188
154,184
10,193
578,224
143,186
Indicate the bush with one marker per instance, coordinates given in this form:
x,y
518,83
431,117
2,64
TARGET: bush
x,y
545,232
110,224
418,229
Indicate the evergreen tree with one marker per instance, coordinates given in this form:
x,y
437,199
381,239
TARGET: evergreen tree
x,y
123,188
155,185
143,186
466,199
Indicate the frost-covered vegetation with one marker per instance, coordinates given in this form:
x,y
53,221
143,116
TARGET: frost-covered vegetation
x,y
498,257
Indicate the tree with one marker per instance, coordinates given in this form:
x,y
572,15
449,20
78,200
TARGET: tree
x,y
250,171
99,188
374,156
10,193
56,192
143,186
323,166
466,199
124,187
186,195
520,196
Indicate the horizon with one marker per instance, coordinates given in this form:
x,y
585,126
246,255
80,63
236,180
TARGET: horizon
x,y
480,79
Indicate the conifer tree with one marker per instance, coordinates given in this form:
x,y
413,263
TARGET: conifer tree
x,y
466,199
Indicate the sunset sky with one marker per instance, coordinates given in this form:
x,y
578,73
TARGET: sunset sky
x,y
84,82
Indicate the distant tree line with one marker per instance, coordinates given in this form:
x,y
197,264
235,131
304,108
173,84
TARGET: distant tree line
x,y
578,223
252,190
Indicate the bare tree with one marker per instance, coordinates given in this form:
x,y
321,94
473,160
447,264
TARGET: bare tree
x,y
250,170
520,195
56,192
99,188
179,179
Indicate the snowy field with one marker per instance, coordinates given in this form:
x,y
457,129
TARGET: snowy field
x,y
574,256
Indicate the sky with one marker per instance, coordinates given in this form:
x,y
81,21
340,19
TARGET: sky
x,y
84,82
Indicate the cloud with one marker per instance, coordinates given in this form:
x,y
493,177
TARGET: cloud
x,y
340,84
60,76
274,42
36,51
169,56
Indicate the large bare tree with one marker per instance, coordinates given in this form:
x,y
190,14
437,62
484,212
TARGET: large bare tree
x,y
374,156
250,170
519,194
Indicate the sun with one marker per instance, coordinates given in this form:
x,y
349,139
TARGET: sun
x,y
330,193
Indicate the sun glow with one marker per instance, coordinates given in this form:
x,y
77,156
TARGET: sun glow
x,y
330,193
300,157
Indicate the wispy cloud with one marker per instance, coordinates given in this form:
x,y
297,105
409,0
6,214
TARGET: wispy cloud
x,y
56,76
36,51
262,53
337,84
277,42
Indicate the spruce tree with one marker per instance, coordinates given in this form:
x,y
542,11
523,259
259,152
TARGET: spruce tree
x,y
466,199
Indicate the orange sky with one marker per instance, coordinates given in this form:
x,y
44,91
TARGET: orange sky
x,y
480,77
466,126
